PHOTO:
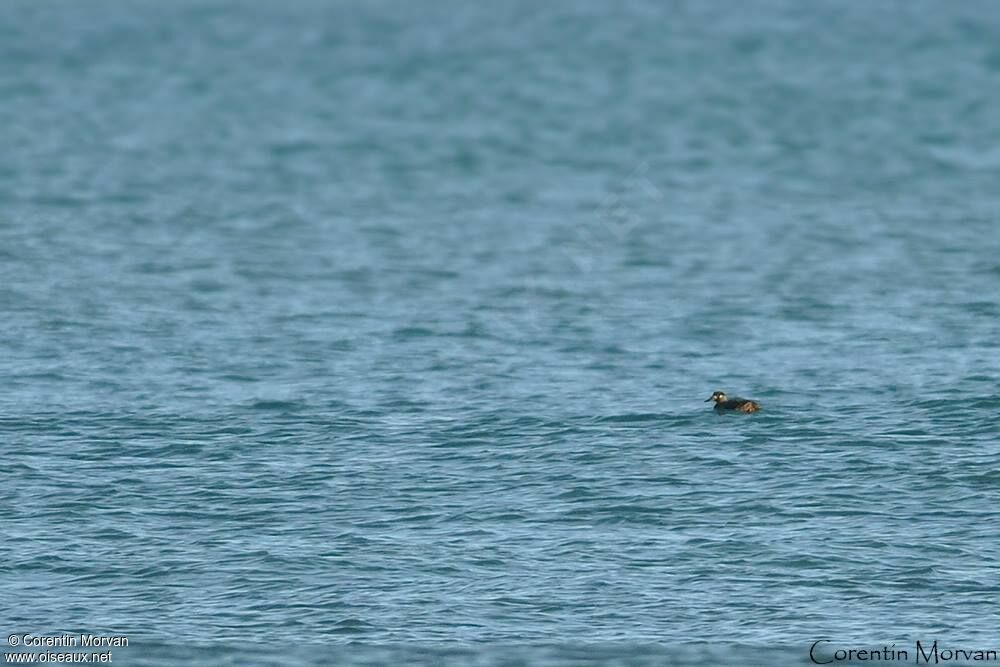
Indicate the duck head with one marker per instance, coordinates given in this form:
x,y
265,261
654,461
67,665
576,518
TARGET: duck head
x,y
717,396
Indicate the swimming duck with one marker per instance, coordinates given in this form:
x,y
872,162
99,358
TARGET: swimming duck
x,y
735,403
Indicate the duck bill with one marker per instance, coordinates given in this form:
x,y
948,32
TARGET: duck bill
x,y
709,399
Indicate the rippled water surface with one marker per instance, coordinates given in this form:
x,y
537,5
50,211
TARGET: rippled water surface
x,y
380,333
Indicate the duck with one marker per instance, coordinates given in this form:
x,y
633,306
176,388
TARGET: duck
x,y
723,402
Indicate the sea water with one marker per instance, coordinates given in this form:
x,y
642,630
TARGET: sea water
x,y
380,333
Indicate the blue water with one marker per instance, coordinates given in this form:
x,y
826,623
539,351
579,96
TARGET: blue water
x,y
380,333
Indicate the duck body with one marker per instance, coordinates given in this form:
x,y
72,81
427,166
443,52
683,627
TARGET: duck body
x,y
735,404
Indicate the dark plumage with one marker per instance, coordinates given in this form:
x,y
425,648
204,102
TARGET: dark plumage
x,y
738,404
